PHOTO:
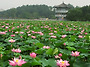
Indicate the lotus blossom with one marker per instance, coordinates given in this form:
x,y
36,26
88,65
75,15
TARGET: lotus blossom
x,y
16,61
53,36
16,32
55,31
29,34
63,36
7,24
55,28
60,55
16,50
21,37
64,44
50,33
13,28
21,32
61,23
6,31
62,63
3,26
82,31
76,53
6,27
12,63
33,32
9,30
57,56
13,35
1,55
17,26
46,47
2,32
80,36
11,40
40,33
33,55
86,33
33,37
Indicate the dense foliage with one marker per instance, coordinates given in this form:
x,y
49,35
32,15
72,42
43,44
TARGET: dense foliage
x,y
79,14
28,12
48,40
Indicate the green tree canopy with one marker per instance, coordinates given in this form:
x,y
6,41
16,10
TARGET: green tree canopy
x,y
28,12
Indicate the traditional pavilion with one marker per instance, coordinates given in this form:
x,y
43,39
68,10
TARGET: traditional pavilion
x,y
61,11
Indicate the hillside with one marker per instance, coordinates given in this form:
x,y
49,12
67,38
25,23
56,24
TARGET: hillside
x,y
28,12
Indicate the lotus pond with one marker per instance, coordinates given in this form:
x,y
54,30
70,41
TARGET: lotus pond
x,y
28,43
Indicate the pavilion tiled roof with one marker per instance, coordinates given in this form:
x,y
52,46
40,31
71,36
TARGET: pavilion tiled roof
x,y
62,5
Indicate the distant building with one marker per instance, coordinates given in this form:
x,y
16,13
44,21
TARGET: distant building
x,y
61,11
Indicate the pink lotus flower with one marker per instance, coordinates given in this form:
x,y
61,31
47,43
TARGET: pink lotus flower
x,y
3,26
11,40
33,32
21,37
13,28
13,35
57,56
6,27
33,37
62,63
16,61
80,36
2,32
12,63
41,26
16,50
6,31
21,32
9,30
55,28
64,43
86,33
53,36
33,55
50,28
61,23
55,31
70,29
46,47
60,55
50,33
13,50
17,26
1,56
75,53
16,32
63,36
29,34
7,24
66,26
40,33
82,31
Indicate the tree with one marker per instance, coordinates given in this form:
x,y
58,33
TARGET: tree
x,y
28,12
79,14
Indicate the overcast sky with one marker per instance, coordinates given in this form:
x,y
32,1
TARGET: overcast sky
x,y
7,4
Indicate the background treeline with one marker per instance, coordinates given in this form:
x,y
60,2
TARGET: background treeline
x,y
79,14
44,11
28,12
